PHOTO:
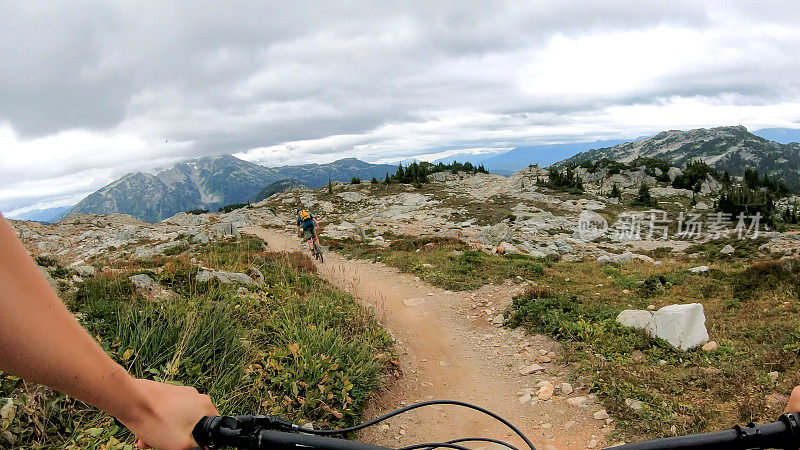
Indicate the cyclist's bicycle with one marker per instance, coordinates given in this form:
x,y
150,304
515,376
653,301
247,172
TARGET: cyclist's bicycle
x,y
316,249
272,432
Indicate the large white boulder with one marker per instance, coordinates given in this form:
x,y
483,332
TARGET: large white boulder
x,y
635,318
683,326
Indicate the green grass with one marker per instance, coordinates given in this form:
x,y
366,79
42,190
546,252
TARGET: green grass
x,y
444,262
296,347
752,310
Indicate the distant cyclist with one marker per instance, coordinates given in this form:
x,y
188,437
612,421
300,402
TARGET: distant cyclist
x,y
309,225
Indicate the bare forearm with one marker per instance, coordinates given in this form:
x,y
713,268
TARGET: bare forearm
x,y
41,341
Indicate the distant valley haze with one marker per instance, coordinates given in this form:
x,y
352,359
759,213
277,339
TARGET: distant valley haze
x,y
92,92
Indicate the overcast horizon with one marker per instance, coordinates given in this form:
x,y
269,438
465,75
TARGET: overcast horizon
x,y
94,90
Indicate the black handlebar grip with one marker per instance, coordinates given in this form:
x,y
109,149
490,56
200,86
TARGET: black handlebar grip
x,y
202,431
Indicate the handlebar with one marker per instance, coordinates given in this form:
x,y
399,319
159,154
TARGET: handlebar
x,y
253,432
782,434
272,432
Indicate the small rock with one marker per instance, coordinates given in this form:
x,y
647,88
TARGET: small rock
x,y
142,282
592,444
526,397
710,345
727,250
533,368
256,275
773,376
651,307
576,401
498,319
566,388
601,415
545,392
699,269
85,270
200,238
633,404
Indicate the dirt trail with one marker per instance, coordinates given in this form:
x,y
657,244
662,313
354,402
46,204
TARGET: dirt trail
x,y
451,350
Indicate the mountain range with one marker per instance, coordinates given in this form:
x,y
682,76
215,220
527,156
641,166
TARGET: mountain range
x,y
43,215
214,182
730,149
518,158
211,183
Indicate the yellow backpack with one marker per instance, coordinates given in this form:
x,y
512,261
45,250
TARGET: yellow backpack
x,y
304,215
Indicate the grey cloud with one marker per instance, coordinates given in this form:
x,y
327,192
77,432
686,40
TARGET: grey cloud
x,y
232,76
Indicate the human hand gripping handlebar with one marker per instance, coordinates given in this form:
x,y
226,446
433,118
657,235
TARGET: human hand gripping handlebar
x,y
272,432
264,432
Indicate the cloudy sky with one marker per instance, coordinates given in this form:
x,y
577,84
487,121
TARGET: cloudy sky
x,y
92,90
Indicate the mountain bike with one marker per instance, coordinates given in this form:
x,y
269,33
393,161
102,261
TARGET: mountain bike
x,y
316,250
273,432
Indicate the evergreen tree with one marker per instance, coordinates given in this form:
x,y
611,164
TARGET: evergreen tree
x,y
643,197
615,192
750,179
330,186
